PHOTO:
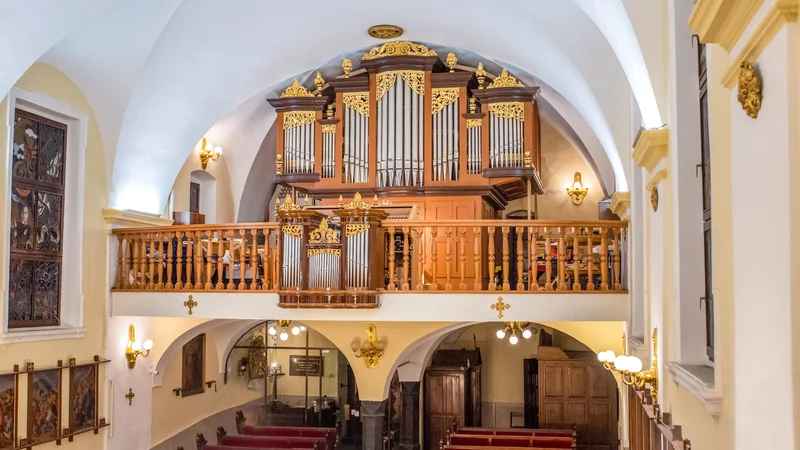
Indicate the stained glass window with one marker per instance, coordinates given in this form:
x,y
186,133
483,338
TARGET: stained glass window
x,y
37,218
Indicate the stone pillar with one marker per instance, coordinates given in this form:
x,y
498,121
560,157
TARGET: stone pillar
x,y
372,417
409,422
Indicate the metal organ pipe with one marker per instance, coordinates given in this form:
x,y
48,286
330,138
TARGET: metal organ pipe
x,y
406,106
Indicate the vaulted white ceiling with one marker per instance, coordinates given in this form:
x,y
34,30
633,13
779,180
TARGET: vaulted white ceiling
x,y
160,74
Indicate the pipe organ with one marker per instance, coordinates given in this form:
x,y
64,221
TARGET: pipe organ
x,y
400,100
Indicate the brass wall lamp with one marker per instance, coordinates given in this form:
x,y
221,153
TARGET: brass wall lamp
x,y
369,350
630,367
136,349
208,151
577,191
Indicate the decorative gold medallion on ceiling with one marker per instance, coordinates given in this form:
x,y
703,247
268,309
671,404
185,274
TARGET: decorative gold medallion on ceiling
x,y
398,48
749,89
385,31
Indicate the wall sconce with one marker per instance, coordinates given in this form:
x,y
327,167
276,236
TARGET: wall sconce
x,y
368,350
135,349
208,151
630,367
577,191
514,327
284,325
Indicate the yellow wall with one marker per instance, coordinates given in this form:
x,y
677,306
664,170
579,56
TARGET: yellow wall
x,y
219,170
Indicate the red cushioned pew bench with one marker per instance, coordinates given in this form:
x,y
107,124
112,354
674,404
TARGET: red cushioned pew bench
x,y
511,441
330,435
541,432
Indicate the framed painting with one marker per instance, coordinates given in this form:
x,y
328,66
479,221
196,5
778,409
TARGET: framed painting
x,y
8,411
192,375
44,406
82,398
301,365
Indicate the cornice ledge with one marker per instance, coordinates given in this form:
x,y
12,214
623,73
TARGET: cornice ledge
x,y
722,21
118,218
651,147
781,13
710,396
621,204
655,179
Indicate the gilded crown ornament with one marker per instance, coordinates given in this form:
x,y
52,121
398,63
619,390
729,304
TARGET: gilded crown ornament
x,y
296,90
319,83
451,61
385,31
357,203
480,74
347,67
749,89
323,234
398,48
505,80
473,105
289,205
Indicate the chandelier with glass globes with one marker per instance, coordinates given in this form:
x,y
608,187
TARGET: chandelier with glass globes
x,y
283,328
523,328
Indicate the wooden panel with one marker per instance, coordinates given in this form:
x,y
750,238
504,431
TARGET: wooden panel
x,y
577,382
553,380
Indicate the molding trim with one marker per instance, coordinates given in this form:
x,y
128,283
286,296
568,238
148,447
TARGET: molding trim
x,y
46,334
621,204
722,21
118,218
710,396
651,147
781,13
655,179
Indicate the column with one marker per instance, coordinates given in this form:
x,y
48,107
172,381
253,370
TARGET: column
x,y
372,417
409,422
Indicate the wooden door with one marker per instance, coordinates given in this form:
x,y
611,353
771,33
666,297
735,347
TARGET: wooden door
x,y
194,197
531,392
580,393
444,402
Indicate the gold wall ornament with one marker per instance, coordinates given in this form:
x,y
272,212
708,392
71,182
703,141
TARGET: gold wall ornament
x,y
480,75
630,367
385,31
327,129
414,78
358,101
319,83
129,396
505,80
347,67
473,123
451,61
577,191
190,304
654,198
442,97
208,151
749,89
134,349
296,90
324,251
292,119
500,306
369,350
294,231
473,105
357,203
398,48
508,110
354,229
289,205
323,234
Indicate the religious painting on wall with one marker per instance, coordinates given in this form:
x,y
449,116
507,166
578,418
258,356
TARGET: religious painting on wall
x,y
82,398
8,411
37,217
257,358
44,406
193,366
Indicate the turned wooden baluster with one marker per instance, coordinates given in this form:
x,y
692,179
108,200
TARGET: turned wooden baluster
x,y
492,284
617,284
231,259
448,257
168,285
190,257
119,284
533,284
209,259
405,259
476,235
562,259
434,258
420,257
254,259
576,285
275,258
391,286
603,260
520,266
179,260
160,261
152,262
127,261
548,268
462,255
199,266
506,259
589,259
242,259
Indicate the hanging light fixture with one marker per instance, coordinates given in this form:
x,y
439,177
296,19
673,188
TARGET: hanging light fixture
x,y
523,328
282,328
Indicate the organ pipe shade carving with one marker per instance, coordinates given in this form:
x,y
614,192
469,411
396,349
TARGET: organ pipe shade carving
x,y
293,119
508,110
505,80
329,129
414,78
292,230
354,229
324,251
398,48
296,90
323,234
358,101
472,123
442,97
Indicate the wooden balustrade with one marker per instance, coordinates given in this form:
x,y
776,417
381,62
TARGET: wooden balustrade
x,y
198,258
649,428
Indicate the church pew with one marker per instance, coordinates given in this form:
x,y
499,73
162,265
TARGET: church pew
x,y
329,434
543,432
468,447
202,444
260,442
511,441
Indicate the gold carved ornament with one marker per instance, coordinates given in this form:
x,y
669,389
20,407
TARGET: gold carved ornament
x,y
508,110
451,61
414,78
480,75
294,231
654,198
347,67
327,129
398,48
354,229
293,119
358,101
749,89
296,90
289,205
385,31
474,123
278,164
500,306
324,251
442,97
357,203
368,350
323,234
505,80
190,304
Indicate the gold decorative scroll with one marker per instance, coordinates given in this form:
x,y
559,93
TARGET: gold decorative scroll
x,y
358,101
414,78
508,110
749,94
398,48
354,229
357,203
442,97
474,123
289,205
292,230
292,119
323,234
324,251
505,80
296,90
328,129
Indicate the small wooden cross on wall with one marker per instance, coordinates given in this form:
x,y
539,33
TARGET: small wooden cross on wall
x,y
500,306
190,304
130,396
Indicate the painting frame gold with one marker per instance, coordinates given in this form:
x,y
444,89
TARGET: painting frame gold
x,y
193,370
